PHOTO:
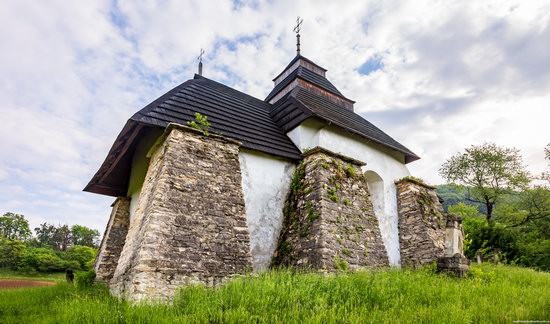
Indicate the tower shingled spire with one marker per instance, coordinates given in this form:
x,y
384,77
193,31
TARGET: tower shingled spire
x,y
297,31
199,58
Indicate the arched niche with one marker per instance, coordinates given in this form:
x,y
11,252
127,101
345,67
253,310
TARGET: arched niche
x,y
376,189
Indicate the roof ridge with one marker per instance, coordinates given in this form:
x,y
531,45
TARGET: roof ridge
x,y
296,58
230,89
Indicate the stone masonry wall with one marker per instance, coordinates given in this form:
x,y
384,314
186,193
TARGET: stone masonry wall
x,y
113,240
421,223
329,219
190,224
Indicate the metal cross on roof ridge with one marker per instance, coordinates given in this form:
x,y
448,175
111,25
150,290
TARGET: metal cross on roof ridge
x,y
297,29
298,25
200,61
200,56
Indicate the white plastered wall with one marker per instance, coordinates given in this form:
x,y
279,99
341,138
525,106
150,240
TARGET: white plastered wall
x,y
387,164
265,181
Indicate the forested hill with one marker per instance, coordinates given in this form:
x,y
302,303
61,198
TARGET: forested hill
x,y
453,195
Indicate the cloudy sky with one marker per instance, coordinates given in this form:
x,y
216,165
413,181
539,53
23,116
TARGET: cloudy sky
x,y
436,75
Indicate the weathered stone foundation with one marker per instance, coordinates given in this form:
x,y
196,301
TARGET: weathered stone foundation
x,y
190,224
329,220
421,223
113,240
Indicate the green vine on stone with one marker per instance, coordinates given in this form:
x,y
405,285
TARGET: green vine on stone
x,y
200,123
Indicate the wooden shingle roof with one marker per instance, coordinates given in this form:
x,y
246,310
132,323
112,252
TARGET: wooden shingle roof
x,y
300,104
230,112
257,124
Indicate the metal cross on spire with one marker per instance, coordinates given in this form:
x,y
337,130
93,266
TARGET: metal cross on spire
x,y
199,58
297,31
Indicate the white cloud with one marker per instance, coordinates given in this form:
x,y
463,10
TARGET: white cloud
x,y
453,74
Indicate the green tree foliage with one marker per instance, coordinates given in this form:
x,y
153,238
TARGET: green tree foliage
x,y
55,248
82,235
488,171
80,254
62,237
11,252
464,210
45,260
14,227
45,233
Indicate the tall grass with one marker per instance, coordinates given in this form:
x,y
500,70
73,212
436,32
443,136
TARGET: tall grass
x,y
492,294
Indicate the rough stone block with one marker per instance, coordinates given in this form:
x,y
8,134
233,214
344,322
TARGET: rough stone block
x,y
113,240
188,225
329,219
421,223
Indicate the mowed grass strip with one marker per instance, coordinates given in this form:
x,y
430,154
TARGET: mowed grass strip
x,y
491,294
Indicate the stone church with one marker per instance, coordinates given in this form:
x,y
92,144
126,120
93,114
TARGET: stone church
x,y
296,179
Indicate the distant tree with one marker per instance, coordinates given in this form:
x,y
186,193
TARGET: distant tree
x,y
59,238
62,238
534,205
45,234
546,175
464,210
488,171
14,227
82,235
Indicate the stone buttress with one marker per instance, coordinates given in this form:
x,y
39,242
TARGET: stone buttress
x,y
190,223
329,220
421,223
113,240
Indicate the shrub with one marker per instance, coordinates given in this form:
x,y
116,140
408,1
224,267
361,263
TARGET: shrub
x,y
200,123
41,259
84,279
11,252
79,255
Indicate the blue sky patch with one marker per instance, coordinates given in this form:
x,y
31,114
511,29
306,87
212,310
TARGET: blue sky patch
x,y
371,65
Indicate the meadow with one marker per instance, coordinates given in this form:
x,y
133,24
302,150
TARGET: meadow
x,y
492,293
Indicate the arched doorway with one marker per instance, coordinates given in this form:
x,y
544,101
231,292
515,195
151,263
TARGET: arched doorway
x,y
376,189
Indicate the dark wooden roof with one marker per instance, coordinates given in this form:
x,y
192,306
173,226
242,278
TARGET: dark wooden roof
x,y
230,112
301,104
255,123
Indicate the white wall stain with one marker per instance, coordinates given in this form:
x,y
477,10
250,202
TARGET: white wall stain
x,y
266,182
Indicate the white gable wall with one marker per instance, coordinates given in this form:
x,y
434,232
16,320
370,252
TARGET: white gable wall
x,y
265,182
387,164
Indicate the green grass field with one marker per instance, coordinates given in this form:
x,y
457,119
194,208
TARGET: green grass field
x,y
10,274
492,294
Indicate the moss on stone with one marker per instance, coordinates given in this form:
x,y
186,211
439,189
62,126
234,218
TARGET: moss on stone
x,y
346,202
350,171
